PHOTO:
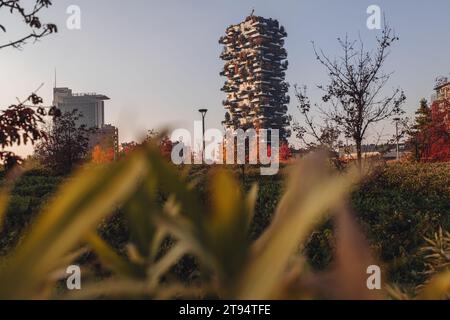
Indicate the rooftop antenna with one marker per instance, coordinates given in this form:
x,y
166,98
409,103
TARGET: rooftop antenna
x,y
55,79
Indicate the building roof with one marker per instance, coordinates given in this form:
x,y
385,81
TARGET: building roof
x,y
90,95
442,85
67,93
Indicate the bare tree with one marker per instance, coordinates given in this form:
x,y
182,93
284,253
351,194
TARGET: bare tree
x,y
354,98
312,133
31,19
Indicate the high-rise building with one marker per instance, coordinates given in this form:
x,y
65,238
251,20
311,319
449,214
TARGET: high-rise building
x,y
440,107
92,108
90,105
255,65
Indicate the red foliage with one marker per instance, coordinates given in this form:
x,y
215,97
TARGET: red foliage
x,y
127,147
20,124
437,136
285,152
165,147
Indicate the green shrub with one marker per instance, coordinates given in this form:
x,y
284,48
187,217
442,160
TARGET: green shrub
x,y
400,205
397,206
29,193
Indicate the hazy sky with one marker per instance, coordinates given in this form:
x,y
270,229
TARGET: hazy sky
x,y
159,62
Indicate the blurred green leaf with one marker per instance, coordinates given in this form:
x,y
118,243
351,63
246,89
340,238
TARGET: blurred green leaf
x,y
81,203
112,260
250,203
296,217
4,199
438,288
227,225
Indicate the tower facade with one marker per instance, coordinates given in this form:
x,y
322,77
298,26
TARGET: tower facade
x,y
90,105
92,108
440,107
255,65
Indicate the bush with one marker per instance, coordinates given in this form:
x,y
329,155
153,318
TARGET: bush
x,y
28,195
397,207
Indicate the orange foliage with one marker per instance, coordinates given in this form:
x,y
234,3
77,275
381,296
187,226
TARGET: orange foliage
x,y
100,156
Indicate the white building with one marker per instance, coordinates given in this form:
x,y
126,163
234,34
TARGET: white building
x,y
90,105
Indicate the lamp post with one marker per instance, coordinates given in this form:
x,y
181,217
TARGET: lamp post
x,y
203,113
397,137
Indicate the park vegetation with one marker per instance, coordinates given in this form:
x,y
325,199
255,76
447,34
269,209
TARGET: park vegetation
x,y
141,227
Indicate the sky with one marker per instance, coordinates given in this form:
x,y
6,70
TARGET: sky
x,y
159,62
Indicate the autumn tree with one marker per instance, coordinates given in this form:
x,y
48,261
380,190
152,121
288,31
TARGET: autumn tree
x,y
162,139
20,123
164,143
438,135
354,99
429,134
66,145
285,152
166,146
101,155
126,148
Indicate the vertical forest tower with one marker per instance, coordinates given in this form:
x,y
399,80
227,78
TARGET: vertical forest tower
x,y
255,65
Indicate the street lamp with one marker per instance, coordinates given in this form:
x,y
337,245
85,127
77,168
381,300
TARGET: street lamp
x,y
397,137
203,113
